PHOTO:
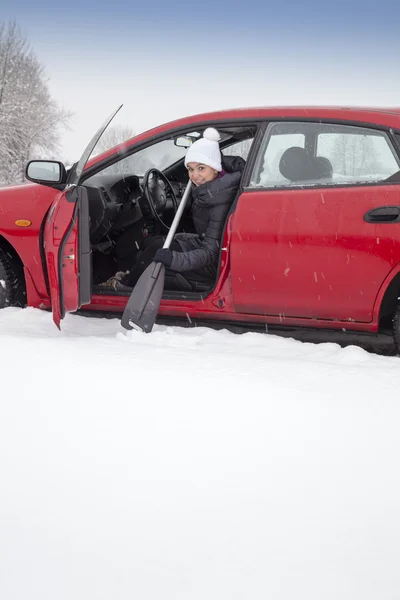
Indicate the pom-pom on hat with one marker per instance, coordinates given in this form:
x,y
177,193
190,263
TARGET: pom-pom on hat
x,y
206,150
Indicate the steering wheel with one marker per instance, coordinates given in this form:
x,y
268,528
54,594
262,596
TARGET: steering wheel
x,y
156,189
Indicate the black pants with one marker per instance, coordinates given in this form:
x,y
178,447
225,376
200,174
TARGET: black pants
x,y
145,256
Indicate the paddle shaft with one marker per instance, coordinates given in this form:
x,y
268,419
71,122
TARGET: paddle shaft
x,y
178,215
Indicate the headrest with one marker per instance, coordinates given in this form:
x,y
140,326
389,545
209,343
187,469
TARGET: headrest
x,y
296,165
324,169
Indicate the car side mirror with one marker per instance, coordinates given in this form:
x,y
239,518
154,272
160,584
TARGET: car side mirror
x,y
46,172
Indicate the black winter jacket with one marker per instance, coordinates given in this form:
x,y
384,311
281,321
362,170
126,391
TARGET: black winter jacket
x,y
211,203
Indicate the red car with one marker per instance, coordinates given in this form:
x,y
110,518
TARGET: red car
x,y
312,239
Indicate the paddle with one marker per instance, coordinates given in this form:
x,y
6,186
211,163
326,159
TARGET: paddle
x,y
141,311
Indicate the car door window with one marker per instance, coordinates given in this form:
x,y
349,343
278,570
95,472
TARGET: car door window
x,y
267,172
321,154
357,156
241,149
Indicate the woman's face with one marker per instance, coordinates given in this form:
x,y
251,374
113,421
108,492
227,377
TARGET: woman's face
x,y
199,173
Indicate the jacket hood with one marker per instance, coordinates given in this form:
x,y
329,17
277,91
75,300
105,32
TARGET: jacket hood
x,y
231,164
210,193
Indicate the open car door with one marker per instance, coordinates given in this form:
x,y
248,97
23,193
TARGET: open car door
x,y
67,241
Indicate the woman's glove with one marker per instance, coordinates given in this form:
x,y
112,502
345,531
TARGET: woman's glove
x,y
164,256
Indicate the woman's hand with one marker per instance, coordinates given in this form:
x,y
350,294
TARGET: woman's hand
x,y
164,256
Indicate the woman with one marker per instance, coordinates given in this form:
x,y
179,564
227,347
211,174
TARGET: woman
x,y
215,186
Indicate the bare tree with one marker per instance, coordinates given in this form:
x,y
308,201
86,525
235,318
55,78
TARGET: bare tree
x,y
355,155
29,118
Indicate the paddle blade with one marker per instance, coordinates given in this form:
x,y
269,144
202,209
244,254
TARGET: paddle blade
x,y
142,308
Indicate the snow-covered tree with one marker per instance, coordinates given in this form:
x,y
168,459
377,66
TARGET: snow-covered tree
x,y
30,119
113,135
355,155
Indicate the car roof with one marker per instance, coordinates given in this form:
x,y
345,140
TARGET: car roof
x,y
378,115
381,116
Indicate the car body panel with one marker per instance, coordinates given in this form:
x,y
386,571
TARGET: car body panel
x,y
65,242
61,250
309,253
30,202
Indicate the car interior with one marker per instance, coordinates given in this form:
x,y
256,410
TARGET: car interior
x,y
131,200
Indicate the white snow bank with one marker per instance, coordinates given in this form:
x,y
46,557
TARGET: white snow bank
x,y
192,464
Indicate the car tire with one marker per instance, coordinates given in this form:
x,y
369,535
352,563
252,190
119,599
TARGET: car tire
x,y
396,329
12,285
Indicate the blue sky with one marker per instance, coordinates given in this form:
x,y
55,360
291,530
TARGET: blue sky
x,y
352,16
164,60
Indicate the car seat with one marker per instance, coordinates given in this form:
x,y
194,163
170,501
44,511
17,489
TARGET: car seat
x,y
296,165
323,168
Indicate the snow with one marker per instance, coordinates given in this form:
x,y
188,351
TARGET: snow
x,y
192,464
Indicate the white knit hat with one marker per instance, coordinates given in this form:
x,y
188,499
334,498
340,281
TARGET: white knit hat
x,y
206,150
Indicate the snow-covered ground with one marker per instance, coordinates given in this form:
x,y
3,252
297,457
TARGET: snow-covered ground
x,y
193,464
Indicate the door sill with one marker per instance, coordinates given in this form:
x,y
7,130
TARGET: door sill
x,y
167,294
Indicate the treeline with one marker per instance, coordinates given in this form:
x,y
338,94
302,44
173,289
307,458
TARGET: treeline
x,y
29,118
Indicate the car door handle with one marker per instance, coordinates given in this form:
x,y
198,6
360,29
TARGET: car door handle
x,y
383,214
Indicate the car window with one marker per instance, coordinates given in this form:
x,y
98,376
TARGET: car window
x,y
163,154
159,156
241,149
357,157
267,172
322,154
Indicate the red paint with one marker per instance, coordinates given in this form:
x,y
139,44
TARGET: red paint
x,y
61,250
310,254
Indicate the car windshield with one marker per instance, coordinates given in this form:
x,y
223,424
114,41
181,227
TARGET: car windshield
x,y
158,156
